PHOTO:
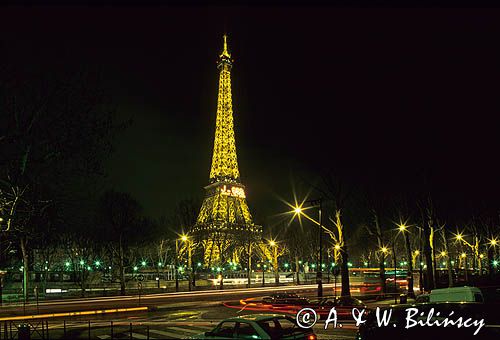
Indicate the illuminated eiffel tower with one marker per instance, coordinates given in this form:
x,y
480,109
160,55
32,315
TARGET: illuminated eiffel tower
x,y
225,221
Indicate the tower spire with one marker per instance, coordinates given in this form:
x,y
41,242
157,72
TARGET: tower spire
x,y
225,53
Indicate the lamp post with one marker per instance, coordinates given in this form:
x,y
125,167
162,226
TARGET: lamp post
x,y
404,229
319,272
176,265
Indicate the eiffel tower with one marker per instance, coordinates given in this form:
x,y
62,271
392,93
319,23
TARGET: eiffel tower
x,y
224,222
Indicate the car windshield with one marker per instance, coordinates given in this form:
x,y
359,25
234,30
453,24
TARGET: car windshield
x,y
279,327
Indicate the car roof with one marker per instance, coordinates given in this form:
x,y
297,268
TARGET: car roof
x,y
257,317
433,304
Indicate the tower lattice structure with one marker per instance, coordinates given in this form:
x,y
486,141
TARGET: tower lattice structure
x,y
224,222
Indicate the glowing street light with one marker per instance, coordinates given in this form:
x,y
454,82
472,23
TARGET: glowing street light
x,y
297,210
272,243
402,227
443,253
463,255
493,242
384,250
337,247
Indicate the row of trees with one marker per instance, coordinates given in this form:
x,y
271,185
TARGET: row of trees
x,y
56,133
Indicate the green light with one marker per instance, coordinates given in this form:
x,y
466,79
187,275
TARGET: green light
x,y
495,263
218,269
300,262
323,265
199,264
88,268
67,264
234,268
143,263
286,265
82,262
135,268
366,264
401,263
265,266
159,264
349,264
313,265
97,263
333,264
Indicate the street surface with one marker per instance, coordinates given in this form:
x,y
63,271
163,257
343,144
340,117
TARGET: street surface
x,y
170,315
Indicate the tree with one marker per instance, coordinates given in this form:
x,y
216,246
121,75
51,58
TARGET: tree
x,y
123,227
55,132
335,192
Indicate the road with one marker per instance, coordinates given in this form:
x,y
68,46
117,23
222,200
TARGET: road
x,y
171,315
176,323
153,300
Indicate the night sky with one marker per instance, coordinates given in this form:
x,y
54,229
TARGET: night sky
x,y
380,96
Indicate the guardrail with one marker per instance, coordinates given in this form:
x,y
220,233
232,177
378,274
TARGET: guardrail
x,y
44,329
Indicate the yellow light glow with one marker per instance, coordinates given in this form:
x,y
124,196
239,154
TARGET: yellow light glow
x,y
443,253
417,252
402,227
463,255
337,246
481,256
272,243
459,236
493,242
297,210
224,208
384,249
184,238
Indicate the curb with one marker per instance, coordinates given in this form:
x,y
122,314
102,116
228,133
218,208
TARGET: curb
x,y
90,312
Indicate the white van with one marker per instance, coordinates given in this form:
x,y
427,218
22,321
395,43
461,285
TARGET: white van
x,y
456,294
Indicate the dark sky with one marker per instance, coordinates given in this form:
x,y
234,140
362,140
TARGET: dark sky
x,y
379,95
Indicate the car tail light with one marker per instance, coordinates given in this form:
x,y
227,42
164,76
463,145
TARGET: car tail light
x,y
312,337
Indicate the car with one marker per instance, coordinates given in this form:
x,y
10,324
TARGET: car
x,y
343,305
258,326
456,294
432,316
284,299
422,298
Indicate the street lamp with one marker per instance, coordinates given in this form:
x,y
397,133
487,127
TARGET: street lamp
x,y
403,228
298,211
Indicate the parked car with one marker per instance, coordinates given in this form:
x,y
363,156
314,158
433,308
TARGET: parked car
x,y
343,305
258,326
422,298
284,299
456,294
